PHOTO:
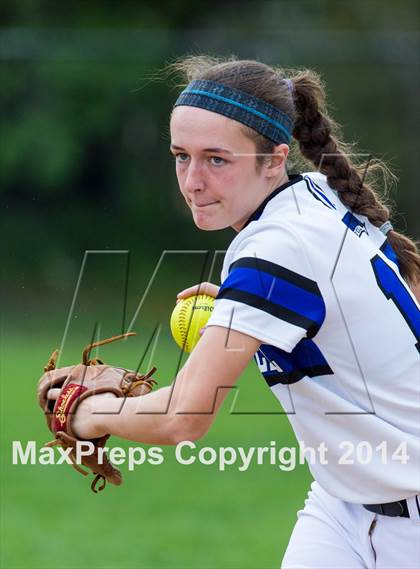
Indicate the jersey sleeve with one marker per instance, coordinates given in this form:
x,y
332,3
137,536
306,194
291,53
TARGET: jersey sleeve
x,y
268,289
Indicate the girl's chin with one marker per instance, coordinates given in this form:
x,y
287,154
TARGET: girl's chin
x,y
208,224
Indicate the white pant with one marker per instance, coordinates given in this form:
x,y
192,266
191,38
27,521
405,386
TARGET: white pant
x,y
332,534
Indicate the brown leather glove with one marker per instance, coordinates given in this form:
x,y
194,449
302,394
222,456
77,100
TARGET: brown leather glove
x,y
78,382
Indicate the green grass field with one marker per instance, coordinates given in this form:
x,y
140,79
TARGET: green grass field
x,y
165,516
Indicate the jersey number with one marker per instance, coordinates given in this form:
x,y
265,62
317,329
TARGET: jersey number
x,y
393,288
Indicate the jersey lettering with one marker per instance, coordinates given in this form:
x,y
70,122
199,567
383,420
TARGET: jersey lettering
x,y
279,366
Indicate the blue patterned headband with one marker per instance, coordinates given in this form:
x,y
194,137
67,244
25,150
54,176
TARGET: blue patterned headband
x,y
240,106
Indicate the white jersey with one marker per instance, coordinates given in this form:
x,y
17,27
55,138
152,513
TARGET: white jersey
x,y
320,287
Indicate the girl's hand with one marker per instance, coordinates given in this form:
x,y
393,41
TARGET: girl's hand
x,y
85,422
202,288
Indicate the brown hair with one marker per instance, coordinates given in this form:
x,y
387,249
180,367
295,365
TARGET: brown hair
x,y
317,135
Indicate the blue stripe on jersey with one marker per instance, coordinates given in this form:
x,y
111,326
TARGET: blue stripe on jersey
x,y
278,366
321,191
353,223
393,288
313,187
389,252
277,291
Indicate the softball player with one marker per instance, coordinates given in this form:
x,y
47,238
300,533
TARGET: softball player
x,y
315,286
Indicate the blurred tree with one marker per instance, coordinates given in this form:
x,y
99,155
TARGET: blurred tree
x,y
84,114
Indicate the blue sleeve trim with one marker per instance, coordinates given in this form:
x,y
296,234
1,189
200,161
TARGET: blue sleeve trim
x,y
261,265
280,292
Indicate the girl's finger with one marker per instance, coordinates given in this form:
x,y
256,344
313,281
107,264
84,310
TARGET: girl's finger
x,y
53,393
202,288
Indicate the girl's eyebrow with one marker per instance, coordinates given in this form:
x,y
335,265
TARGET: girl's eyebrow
x,y
217,150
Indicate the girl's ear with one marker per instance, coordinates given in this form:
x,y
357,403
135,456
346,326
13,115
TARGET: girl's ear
x,y
276,163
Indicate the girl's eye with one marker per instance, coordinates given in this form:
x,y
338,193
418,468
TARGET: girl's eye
x,y
181,157
217,161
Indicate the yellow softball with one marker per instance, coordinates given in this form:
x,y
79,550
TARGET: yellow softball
x,y
189,316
